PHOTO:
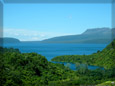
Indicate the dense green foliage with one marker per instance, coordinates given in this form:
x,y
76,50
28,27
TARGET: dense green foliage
x,y
104,58
29,69
32,69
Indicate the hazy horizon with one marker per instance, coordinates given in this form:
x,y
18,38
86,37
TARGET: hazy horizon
x,y
31,22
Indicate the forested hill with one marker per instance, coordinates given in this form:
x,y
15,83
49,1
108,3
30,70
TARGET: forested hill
x,y
9,40
104,58
29,69
32,69
95,35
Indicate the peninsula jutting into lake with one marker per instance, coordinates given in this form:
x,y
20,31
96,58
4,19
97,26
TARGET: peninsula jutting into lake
x,y
34,69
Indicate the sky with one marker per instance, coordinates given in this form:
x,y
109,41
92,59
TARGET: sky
x,y
31,22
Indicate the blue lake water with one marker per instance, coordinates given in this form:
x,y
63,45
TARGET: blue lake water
x,y
52,50
73,66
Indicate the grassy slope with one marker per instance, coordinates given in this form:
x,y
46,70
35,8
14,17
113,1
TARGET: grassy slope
x,y
107,83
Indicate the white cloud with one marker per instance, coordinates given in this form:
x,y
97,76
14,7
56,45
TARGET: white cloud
x,y
24,34
29,35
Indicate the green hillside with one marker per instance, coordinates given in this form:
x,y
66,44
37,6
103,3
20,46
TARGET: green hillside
x,y
104,58
29,69
32,69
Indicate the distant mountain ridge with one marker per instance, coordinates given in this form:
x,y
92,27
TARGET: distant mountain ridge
x,y
97,30
9,40
96,35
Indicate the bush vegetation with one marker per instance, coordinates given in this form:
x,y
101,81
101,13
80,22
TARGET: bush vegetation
x,y
32,69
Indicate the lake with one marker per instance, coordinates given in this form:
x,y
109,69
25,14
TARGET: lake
x,y
52,50
72,66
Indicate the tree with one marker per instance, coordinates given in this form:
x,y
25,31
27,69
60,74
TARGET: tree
x,y
67,66
82,68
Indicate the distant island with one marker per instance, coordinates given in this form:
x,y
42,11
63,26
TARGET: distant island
x,y
96,35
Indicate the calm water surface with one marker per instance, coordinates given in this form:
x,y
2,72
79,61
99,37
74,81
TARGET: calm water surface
x,y
73,66
53,50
